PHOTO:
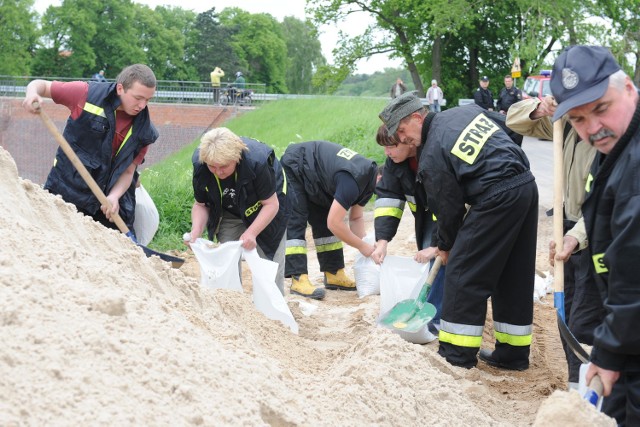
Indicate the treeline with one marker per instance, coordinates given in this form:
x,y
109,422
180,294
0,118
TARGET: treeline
x,y
80,37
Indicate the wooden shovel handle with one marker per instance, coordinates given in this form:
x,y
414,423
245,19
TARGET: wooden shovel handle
x,y
558,209
82,170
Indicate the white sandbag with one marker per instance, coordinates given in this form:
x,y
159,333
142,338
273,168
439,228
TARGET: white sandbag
x,y
366,272
266,295
402,278
147,219
218,265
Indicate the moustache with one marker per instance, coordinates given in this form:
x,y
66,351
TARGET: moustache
x,y
604,133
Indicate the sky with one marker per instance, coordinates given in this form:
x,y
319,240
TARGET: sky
x,y
279,9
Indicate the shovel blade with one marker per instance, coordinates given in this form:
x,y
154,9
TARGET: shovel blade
x,y
420,319
174,260
400,314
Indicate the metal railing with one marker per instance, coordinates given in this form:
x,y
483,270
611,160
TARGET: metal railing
x,y
167,91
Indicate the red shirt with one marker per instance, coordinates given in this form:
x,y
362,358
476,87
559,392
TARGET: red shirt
x,y
73,95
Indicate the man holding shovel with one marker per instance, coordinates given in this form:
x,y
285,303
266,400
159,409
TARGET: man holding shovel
x,y
468,160
582,304
110,130
397,186
602,105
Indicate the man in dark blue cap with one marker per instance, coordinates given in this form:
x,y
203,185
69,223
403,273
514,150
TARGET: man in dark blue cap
x,y
601,102
483,96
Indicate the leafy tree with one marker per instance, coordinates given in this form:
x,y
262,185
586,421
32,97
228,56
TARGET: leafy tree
x,y
66,49
209,46
17,36
304,53
259,43
625,17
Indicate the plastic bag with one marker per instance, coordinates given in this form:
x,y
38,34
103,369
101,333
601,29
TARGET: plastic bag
x,y
147,218
366,272
266,295
402,278
218,265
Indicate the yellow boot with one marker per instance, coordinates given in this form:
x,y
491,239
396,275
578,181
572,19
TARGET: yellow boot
x,y
339,280
302,286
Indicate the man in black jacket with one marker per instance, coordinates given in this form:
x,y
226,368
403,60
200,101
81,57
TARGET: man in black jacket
x,y
490,251
508,96
329,180
602,104
110,129
483,96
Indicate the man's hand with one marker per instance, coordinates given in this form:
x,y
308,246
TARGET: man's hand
x,y
607,377
545,108
444,256
115,207
569,244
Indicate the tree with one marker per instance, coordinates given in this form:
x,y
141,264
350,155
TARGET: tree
x,y
209,46
304,54
259,43
17,36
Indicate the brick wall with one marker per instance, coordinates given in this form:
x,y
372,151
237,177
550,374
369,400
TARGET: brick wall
x,y
33,147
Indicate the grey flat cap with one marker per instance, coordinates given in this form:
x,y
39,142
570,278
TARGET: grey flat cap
x,y
398,109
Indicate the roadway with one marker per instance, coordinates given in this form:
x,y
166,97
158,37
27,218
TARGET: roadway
x,y
540,154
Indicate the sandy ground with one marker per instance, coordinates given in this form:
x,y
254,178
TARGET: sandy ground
x,y
94,332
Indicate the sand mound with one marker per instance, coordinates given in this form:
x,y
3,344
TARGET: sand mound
x,y
95,332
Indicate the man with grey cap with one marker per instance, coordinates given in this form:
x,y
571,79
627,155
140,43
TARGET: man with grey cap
x,y
469,160
601,103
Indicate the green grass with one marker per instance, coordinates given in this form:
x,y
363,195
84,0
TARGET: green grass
x,y
349,122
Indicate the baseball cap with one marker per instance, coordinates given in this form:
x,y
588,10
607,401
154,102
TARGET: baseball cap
x,y
399,108
484,79
581,75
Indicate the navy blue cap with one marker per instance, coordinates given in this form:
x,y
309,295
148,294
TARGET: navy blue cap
x,y
484,79
580,76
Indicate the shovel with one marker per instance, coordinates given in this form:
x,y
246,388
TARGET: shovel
x,y
558,185
95,189
411,315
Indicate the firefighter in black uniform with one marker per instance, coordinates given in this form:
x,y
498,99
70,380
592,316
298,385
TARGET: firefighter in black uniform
x,y
398,186
483,96
508,96
328,180
490,251
603,106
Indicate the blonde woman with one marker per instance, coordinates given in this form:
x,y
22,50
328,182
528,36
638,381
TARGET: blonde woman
x,y
240,194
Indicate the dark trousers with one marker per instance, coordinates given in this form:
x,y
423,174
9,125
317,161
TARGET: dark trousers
x,y
623,403
437,287
493,256
582,306
306,211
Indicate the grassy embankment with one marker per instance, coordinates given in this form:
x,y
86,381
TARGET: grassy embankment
x,y
350,122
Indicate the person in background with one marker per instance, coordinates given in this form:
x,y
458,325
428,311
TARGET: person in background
x,y
398,88
396,187
110,129
582,304
99,77
216,74
240,194
239,82
508,96
483,96
602,104
481,189
434,97
329,181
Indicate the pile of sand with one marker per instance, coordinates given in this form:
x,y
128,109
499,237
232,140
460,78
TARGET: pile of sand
x,y
93,332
